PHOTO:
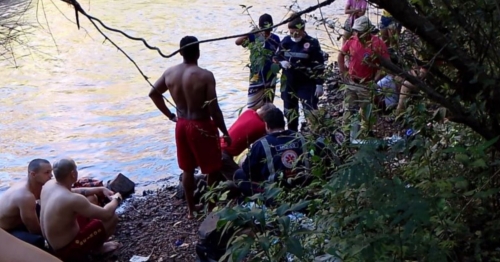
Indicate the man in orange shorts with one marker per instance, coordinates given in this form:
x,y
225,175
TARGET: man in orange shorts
x,y
71,224
193,90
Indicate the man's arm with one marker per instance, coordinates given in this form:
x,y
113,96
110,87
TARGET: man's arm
x,y
243,39
82,206
318,63
254,161
383,52
279,54
89,191
156,94
27,208
213,105
341,59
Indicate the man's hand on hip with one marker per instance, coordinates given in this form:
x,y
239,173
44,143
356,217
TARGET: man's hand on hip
x,y
173,118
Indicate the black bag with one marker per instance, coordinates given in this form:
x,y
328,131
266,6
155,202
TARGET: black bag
x,y
212,244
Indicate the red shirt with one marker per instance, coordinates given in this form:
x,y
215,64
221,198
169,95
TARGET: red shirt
x,y
363,63
248,128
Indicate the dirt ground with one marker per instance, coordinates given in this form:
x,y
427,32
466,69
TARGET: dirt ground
x,y
157,226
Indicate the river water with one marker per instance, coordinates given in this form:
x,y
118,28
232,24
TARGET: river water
x,y
66,93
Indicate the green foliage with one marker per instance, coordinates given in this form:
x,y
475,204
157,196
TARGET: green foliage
x,y
434,197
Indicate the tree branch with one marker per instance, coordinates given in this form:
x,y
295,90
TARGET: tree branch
x,y
458,112
403,12
79,9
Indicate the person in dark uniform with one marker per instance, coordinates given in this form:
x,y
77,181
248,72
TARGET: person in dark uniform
x,y
262,80
279,152
302,61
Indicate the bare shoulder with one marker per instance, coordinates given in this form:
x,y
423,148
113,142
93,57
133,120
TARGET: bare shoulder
x,y
168,70
73,200
207,74
22,195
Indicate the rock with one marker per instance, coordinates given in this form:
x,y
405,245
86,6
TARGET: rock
x,y
122,185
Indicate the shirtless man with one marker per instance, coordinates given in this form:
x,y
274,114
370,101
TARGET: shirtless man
x,y
193,91
63,217
18,214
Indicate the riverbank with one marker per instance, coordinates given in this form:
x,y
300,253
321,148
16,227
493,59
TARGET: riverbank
x,y
156,225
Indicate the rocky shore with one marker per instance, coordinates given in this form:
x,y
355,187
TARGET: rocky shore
x,y
155,226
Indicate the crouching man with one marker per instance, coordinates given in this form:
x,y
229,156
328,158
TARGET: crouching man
x,y
279,152
71,224
248,128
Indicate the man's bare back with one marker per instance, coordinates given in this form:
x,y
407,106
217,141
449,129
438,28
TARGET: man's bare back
x,y
188,85
197,138
57,216
59,210
10,205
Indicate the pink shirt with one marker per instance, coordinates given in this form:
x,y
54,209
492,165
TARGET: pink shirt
x,y
363,63
355,4
247,129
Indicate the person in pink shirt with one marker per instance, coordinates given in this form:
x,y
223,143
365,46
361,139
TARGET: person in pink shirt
x,y
364,50
248,128
355,9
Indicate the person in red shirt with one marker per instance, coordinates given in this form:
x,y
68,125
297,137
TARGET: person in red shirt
x,y
248,128
363,50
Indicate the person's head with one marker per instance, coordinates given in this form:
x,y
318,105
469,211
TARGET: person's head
x,y
297,29
191,52
264,109
363,27
65,170
266,21
39,171
274,120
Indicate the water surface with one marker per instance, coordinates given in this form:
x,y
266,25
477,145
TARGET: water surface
x,y
67,93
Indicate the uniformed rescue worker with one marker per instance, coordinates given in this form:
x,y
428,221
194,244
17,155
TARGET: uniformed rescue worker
x,y
279,152
302,61
262,78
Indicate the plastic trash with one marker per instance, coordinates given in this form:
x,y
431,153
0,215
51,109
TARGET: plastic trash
x,y
178,242
409,132
139,259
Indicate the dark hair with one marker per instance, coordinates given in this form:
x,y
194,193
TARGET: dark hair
x,y
266,107
191,52
34,165
297,23
63,168
265,20
274,118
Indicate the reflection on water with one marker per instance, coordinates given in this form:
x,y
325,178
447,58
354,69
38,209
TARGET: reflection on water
x,y
74,96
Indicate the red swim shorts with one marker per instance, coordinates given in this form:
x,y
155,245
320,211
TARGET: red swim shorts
x,y
91,236
198,145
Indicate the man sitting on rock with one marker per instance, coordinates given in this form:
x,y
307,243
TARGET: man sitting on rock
x,y
248,128
279,152
72,225
18,208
